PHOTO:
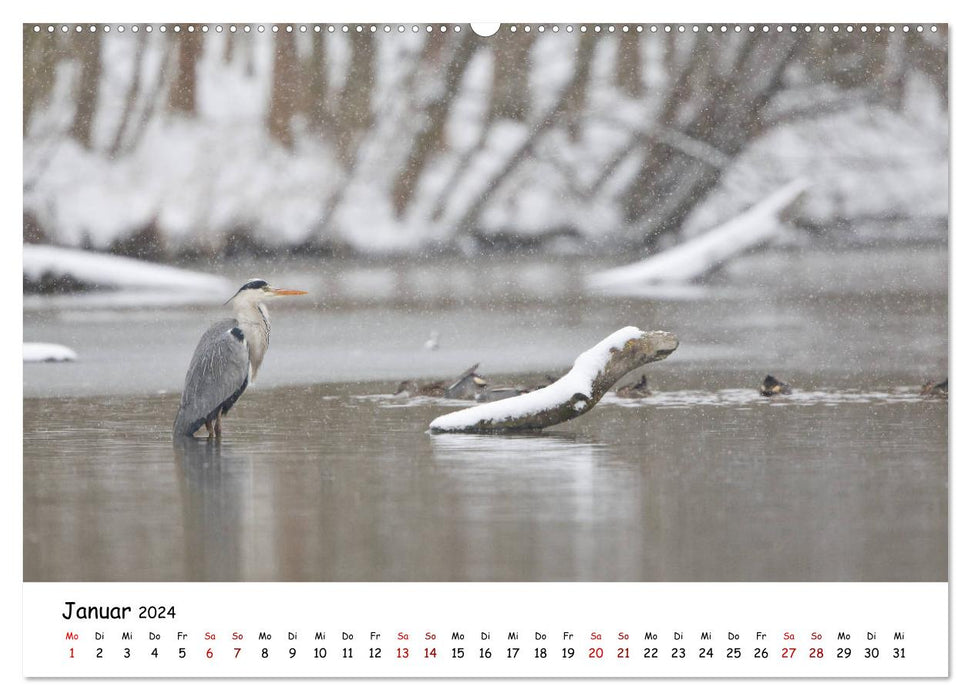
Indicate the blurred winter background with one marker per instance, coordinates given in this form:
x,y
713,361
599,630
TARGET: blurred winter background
x,y
366,140
424,165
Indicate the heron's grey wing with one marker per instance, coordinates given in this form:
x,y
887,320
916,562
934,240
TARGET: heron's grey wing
x,y
218,374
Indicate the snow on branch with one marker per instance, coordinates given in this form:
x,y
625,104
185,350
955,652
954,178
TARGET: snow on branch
x,y
701,254
575,393
113,271
48,352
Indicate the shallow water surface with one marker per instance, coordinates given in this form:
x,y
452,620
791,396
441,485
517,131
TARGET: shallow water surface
x,y
338,482
323,475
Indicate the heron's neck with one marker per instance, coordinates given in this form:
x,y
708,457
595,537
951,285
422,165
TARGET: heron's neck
x,y
254,320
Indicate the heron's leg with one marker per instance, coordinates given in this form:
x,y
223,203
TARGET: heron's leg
x,y
219,424
209,428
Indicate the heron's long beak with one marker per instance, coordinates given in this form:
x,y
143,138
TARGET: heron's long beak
x,y
286,292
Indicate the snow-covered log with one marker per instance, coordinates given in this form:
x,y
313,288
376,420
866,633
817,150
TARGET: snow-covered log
x,y
702,254
113,271
48,352
575,393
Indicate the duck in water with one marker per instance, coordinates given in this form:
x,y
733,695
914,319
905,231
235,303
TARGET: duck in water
x,y
635,391
773,387
465,387
931,389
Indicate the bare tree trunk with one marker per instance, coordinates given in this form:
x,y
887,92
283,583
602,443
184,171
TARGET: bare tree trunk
x,y
670,182
552,117
929,55
229,46
430,136
575,98
40,61
318,111
87,47
510,77
155,97
285,89
628,66
132,96
182,92
353,112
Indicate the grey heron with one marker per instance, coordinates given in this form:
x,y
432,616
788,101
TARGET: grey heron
x,y
227,359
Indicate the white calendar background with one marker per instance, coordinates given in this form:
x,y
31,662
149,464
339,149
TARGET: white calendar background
x,y
496,630
919,611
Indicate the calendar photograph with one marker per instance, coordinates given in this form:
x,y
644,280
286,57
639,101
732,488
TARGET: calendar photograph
x,y
412,303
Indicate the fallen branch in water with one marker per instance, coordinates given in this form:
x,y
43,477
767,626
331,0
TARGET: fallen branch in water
x,y
575,393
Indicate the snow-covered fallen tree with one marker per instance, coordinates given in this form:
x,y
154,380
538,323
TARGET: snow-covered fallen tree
x,y
48,352
702,254
575,393
103,271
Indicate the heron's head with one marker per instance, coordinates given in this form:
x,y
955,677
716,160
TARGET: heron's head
x,y
258,290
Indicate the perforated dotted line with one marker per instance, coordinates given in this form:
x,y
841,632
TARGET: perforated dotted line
x,y
443,28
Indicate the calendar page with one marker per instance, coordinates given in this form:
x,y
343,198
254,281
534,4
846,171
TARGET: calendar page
x,y
599,349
